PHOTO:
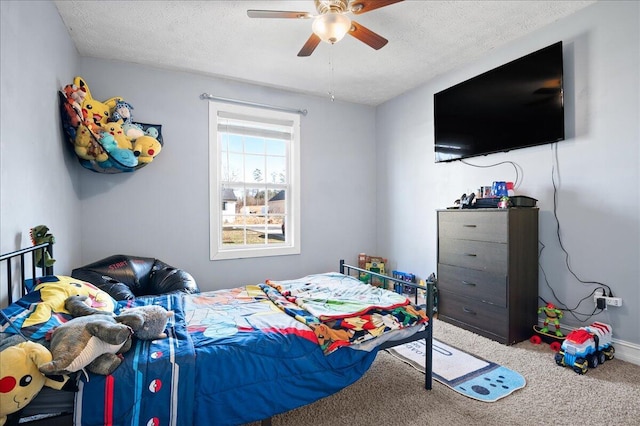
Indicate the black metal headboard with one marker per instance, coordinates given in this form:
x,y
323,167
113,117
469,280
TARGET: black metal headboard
x,y
18,259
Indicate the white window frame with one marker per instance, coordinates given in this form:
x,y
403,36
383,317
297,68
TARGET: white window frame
x,y
291,244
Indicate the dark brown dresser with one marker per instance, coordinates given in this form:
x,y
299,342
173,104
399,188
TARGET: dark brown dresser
x,y
488,271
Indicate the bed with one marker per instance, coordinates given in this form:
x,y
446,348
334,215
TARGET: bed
x,y
243,354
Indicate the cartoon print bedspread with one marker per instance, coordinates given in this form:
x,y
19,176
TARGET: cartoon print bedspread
x,y
232,357
263,361
341,310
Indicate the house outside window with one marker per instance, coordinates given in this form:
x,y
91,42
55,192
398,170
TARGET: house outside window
x,y
254,189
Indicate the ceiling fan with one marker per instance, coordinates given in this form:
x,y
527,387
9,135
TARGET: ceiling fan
x,y
332,23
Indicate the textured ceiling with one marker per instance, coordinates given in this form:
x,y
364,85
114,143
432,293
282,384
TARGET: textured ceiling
x,y
426,38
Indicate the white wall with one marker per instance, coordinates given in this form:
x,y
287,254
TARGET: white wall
x,y
162,209
37,175
597,166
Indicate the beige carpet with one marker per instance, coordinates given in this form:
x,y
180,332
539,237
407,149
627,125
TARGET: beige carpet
x,y
392,392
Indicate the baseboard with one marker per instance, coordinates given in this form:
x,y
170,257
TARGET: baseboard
x,y
625,351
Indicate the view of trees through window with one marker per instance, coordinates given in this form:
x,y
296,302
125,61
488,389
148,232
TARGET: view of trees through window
x,y
253,190
254,163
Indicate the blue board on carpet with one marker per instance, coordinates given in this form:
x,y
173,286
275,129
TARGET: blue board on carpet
x,y
465,373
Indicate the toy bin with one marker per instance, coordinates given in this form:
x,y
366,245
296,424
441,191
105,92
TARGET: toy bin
x,y
404,276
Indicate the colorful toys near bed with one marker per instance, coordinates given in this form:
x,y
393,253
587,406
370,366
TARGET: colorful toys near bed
x,y
404,276
373,264
103,134
586,347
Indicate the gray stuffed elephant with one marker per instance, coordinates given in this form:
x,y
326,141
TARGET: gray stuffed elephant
x,y
92,342
95,339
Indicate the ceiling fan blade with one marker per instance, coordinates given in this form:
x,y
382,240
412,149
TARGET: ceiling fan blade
x,y
278,14
310,45
367,36
359,7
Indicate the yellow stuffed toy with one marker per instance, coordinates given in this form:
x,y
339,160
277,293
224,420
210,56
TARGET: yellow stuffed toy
x,y
115,130
20,379
94,115
54,293
86,145
94,112
104,137
146,148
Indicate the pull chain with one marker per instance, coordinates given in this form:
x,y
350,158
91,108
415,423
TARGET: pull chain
x,y
331,84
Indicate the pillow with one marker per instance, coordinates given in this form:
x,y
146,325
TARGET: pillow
x,y
42,309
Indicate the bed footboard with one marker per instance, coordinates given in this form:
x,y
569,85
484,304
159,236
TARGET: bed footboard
x,y
427,334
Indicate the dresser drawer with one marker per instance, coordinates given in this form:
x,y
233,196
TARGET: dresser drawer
x,y
479,255
490,318
478,285
473,225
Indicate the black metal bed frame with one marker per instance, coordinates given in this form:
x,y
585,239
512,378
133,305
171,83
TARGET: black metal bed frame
x,y
426,334
35,271
17,263
23,274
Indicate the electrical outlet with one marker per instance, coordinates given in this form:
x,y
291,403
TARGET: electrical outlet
x,y
608,301
599,293
614,301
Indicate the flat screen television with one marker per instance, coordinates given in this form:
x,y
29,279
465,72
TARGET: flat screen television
x,y
516,105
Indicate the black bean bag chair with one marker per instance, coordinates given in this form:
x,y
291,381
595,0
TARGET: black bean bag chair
x,y
127,277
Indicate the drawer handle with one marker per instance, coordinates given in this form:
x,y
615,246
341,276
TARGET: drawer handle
x,y
471,254
468,283
469,226
468,311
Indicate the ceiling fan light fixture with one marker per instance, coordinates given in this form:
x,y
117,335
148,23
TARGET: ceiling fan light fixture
x,y
331,27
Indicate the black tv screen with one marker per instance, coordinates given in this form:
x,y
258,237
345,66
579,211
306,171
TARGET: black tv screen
x,y
516,105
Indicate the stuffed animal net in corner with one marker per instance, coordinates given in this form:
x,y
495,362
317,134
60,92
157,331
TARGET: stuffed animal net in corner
x,y
103,134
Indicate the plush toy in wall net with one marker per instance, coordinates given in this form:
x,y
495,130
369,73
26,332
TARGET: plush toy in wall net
x,y
103,135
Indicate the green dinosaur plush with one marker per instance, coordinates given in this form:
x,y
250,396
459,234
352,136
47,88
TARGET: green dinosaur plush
x,y
39,235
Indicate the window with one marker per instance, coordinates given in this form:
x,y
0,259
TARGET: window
x,y
254,189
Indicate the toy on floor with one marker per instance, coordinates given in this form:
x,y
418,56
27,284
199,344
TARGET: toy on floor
x,y
554,341
553,315
586,347
543,334
373,264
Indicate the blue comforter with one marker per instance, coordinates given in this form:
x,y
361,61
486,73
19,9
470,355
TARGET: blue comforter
x,y
232,357
154,385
